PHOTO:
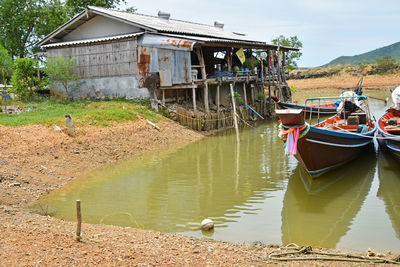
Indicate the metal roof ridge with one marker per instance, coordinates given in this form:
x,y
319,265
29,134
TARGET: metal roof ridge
x,y
153,16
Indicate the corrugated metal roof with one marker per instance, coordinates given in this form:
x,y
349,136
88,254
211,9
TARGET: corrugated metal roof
x,y
172,25
154,24
96,40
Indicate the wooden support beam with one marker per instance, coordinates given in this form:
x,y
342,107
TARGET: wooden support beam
x,y
245,94
228,58
200,56
252,94
163,96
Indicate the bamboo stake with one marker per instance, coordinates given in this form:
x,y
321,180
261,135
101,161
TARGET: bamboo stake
x,y
234,113
79,218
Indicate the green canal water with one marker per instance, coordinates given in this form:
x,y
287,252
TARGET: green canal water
x,y
251,190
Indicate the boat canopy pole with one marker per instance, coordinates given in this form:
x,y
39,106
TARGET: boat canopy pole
x,y
336,97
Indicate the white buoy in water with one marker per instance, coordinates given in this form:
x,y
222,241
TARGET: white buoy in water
x,y
207,224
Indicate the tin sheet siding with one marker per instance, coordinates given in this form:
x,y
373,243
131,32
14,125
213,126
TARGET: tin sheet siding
x,y
165,60
181,68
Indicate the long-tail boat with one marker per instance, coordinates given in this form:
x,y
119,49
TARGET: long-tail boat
x,y
389,130
332,142
320,109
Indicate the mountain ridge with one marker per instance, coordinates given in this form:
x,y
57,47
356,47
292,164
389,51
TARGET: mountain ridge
x,y
370,57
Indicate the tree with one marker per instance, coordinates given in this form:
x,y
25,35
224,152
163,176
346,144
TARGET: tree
x,y
385,63
6,65
60,69
292,56
79,5
23,23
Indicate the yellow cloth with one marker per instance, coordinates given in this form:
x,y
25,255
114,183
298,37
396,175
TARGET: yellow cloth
x,y
240,55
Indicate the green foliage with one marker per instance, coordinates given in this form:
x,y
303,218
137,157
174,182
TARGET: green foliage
x,y
24,80
100,113
79,5
131,9
292,89
250,63
292,56
260,96
237,96
384,64
60,69
6,65
23,23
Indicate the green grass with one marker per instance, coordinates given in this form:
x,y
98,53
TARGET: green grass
x,y
101,113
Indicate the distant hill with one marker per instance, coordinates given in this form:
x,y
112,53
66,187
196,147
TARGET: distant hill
x,y
368,57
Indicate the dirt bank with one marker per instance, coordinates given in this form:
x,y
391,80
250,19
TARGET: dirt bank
x,y
36,159
372,82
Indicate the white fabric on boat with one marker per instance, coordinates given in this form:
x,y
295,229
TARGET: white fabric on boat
x,y
396,98
353,100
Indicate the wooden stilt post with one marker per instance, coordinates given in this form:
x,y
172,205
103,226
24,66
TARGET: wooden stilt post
x,y
252,94
194,99
163,96
245,94
79,219
234,113
204,78
217,97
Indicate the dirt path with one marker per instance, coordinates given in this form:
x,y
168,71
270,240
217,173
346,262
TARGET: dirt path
x,y
35,160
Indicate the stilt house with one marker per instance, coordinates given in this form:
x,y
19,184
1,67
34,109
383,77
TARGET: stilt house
x,y
129,55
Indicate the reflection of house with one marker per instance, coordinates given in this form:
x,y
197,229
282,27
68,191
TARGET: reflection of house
x,y
116,52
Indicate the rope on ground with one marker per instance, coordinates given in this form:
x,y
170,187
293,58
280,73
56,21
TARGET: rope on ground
x,y
300,254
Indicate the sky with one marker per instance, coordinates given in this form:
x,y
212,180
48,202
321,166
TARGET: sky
x,y
327,28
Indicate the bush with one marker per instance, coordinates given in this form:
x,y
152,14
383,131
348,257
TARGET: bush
x,y
24,80
60,69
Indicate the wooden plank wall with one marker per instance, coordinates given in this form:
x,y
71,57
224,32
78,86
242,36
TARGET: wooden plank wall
x,y
109,59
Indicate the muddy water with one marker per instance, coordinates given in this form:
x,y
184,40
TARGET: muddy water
x,y
252,191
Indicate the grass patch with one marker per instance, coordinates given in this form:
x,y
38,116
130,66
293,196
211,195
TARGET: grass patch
x,y
102,113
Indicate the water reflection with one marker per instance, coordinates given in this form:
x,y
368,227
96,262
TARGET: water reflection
x,y
389,184
174,190
319,212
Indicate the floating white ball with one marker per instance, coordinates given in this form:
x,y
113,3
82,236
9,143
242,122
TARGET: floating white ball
x,y
207,224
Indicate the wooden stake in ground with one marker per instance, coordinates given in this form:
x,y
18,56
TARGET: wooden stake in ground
x,y
234,112
79,218
70,125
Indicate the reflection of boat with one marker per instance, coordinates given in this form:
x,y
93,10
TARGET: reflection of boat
x,y
389,184
389,129
318,212
330,143
323,109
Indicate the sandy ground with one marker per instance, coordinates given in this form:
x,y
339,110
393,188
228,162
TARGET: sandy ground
x,y
37,159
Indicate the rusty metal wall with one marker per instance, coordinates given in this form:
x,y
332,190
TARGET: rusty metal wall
x,y
173,66
168,56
